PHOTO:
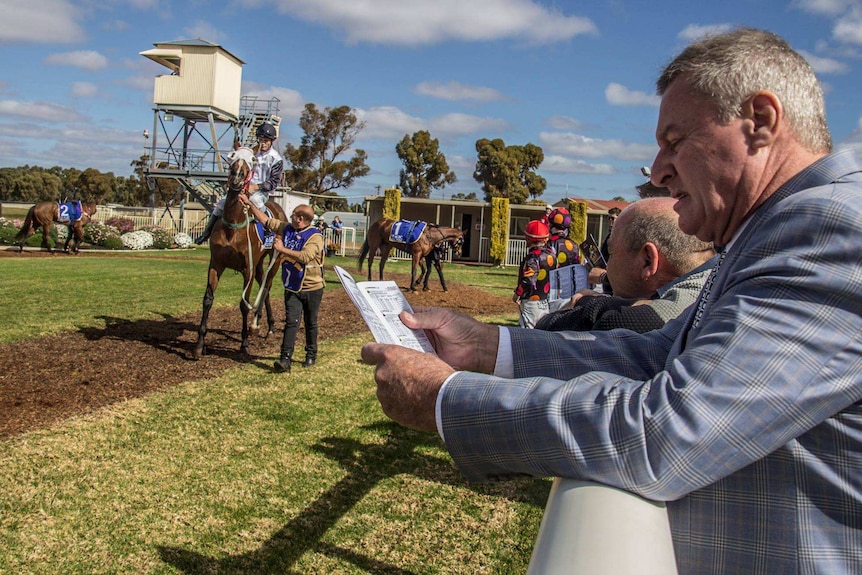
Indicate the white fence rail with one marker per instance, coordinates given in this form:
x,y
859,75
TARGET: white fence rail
x,y
193,223
516,252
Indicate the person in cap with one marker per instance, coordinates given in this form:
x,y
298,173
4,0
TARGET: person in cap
x,y
534,287
566,251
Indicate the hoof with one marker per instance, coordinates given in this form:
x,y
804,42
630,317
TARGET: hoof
x,y
426,289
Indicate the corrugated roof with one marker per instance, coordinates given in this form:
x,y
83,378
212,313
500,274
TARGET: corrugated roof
x,y
602,205
196,42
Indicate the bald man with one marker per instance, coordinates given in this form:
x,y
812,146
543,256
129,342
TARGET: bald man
x,y
656,271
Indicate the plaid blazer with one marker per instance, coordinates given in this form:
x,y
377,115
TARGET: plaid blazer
x,y
745,416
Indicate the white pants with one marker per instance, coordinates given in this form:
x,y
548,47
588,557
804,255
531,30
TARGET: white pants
x,y
258,198
531,311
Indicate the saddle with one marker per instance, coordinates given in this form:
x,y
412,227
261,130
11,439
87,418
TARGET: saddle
x,y
407,231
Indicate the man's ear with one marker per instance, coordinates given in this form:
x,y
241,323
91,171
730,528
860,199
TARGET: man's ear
x,y
649,260
762,113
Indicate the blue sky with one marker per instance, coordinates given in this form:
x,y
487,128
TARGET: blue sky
x,y
575,78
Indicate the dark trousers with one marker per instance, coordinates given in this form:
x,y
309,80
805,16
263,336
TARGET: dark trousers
x,y
305,305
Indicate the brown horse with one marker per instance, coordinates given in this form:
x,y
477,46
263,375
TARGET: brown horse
x,y
44,214
378,238
234,244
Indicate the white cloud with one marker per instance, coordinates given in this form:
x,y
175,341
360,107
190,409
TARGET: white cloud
x,y
619,95
43,111
454,125
564,123
577,146
86,59
139,82
40,21
455,91
824,65
417,22
389,122
205,31
694,32
824,7
563,165
849,29
83,90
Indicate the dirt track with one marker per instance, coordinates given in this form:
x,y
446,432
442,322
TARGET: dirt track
x,y
43,381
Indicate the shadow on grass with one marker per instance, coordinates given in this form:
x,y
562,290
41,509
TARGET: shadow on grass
x,y
366,465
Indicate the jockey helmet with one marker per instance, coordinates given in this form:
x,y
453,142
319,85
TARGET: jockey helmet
x,y
266,131
559,218
536,231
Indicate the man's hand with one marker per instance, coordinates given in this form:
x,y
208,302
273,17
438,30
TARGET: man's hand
x,y
595,275
408,382
460,340
244,198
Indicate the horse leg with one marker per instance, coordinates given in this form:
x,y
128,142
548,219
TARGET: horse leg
x,y
371,253
384,255
413,279
46,231
26,231
422,267
209,295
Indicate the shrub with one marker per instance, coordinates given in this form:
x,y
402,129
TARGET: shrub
x,y
97,233
162,239
112,243
8,229
35,241
183,240
139,240
122,225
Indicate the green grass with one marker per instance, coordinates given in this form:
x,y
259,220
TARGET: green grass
x,y
250,473
47,296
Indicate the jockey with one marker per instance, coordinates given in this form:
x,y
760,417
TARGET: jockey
x,y
268,166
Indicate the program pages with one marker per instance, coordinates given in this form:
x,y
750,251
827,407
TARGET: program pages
x,y
380,302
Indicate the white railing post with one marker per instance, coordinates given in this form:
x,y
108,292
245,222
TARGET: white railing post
x,y
593,529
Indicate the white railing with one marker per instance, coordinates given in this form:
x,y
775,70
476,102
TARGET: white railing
x,y
195,220
516,252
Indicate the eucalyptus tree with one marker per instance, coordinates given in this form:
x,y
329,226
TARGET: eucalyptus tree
x,y
425,166
509,171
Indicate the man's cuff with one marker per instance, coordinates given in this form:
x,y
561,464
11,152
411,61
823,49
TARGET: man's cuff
x,y
505,364
503,367
438,408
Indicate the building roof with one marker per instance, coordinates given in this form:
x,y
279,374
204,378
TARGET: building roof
x,y
599,205
196,42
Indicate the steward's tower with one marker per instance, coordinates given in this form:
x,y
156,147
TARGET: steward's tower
x,y
199,115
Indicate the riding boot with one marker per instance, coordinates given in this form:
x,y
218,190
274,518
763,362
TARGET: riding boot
x,y
282,365
208,230
310,359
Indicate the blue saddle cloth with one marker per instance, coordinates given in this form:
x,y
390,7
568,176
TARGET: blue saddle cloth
x,y
406,231
70,212
266,238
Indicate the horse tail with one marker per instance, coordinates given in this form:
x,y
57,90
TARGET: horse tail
x,y
28,223
363,253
